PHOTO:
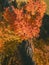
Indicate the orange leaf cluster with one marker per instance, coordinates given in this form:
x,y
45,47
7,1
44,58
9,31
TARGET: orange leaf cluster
x,y
27,21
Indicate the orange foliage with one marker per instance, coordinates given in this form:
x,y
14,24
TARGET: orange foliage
x,y
27,25
1,45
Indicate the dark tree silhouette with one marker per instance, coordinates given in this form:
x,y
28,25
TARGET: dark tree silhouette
x,y
44,33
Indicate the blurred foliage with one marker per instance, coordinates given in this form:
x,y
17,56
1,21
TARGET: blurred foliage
x,y
41,52
9,47
9,44
47,2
